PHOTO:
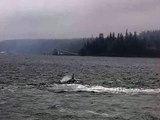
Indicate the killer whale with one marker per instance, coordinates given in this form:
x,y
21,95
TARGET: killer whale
x,y
69,80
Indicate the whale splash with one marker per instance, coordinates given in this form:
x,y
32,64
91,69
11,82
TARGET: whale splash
x,y
69,84
100,89
68,79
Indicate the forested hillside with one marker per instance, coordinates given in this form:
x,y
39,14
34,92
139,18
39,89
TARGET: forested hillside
x,y
146,44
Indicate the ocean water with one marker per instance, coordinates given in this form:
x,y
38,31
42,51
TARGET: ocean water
x,y
111,89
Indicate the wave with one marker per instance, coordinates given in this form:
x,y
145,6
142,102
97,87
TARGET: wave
x,y
96,113
100,89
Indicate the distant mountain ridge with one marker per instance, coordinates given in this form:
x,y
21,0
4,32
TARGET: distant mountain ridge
x,y
40,46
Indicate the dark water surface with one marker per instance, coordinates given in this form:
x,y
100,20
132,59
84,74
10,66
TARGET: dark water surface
x,y
113,88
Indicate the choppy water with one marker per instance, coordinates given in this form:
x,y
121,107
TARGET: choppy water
x,y
100,89
122,88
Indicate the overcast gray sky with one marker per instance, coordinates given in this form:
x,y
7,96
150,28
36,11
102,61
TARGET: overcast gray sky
x,y
75,18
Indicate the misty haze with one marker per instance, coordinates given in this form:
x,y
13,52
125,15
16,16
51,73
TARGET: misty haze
x,y
80,60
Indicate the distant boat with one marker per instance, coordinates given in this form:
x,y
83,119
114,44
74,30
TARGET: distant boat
x,y
3,52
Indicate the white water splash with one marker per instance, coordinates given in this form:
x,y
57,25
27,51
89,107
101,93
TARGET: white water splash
x,y
100,89
66,78
101,114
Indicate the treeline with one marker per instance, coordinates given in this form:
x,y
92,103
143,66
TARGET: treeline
x,y
129,45
152,38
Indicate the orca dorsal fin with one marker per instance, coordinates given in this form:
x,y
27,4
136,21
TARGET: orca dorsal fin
x,y
73,77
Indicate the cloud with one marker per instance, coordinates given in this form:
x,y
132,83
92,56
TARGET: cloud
x,y
75,18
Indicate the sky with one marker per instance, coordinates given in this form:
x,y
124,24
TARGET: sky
x,y
35,19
